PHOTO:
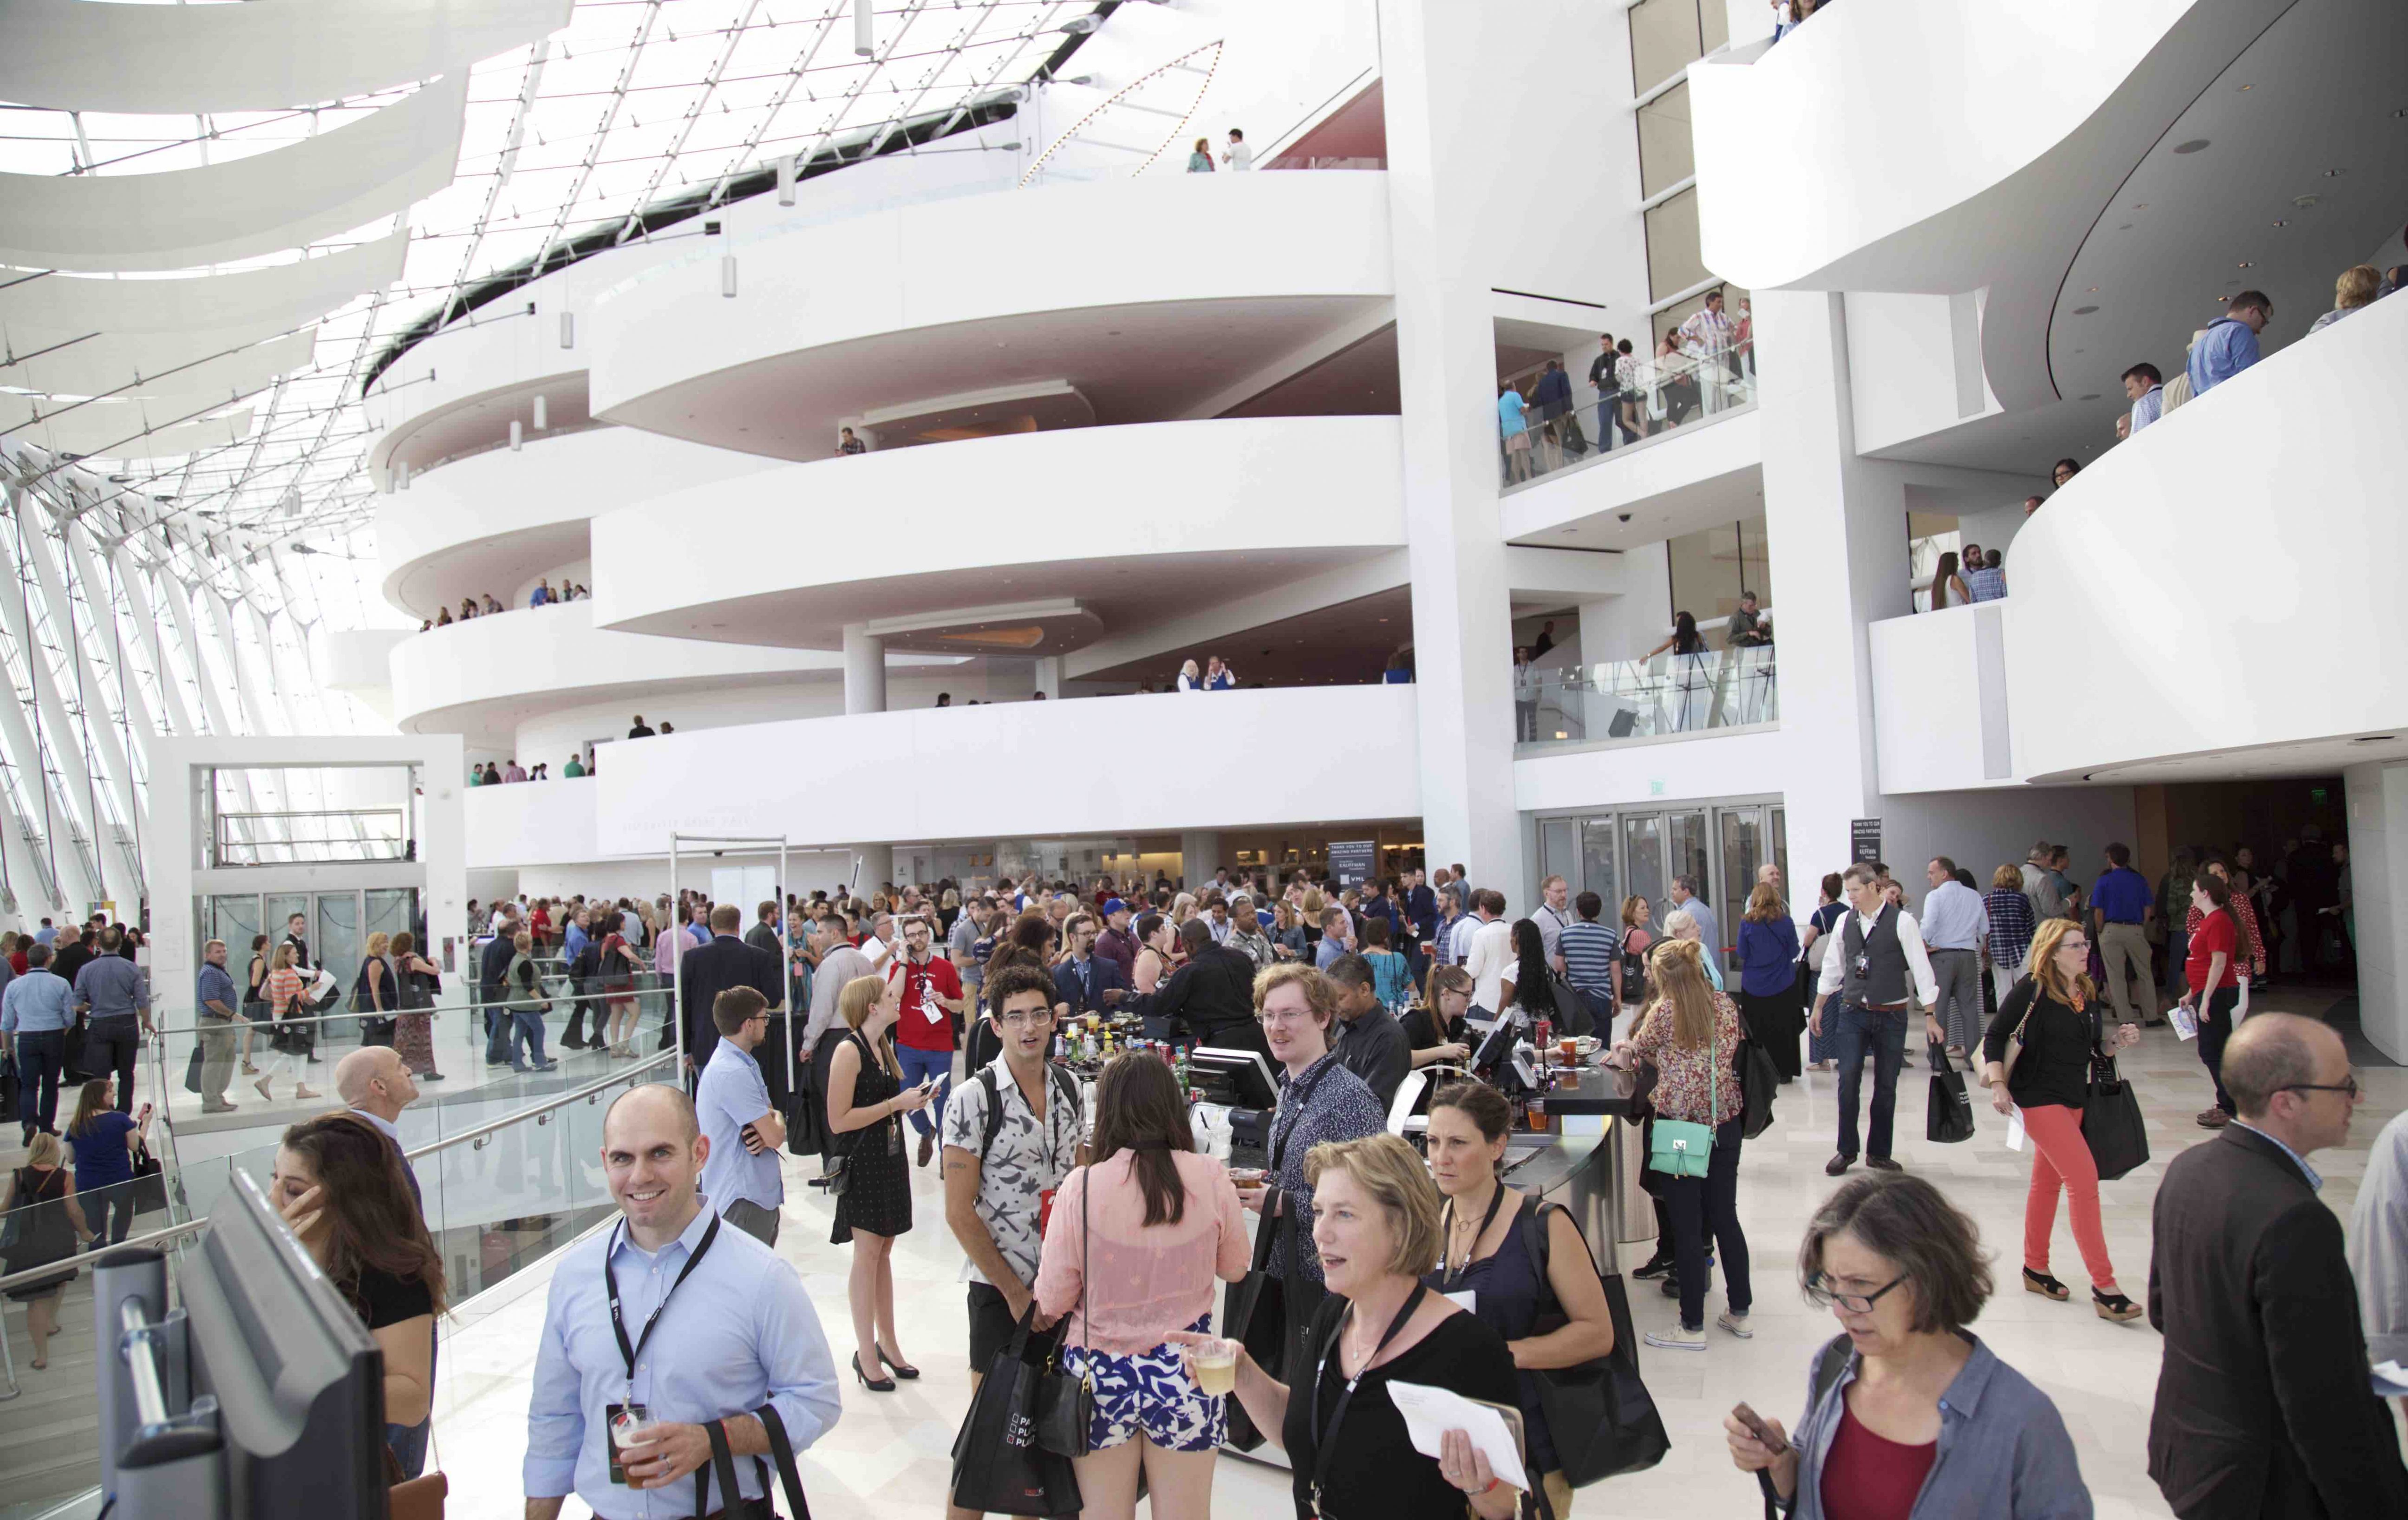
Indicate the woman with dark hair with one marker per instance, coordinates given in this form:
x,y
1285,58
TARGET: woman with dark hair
x,y
416,981
104,1141
1947,586
1768,978
1153,939
342,1188
1903,1272
1685,639
2214,988
1529,983
2062,471
254,999
1820,942
1485,1250
1137,1242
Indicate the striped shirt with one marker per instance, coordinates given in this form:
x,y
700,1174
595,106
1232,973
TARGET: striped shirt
x,y
284,986
1589,950
2011,927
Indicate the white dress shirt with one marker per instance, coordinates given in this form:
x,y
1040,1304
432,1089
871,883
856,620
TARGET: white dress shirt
x,y
1491,955
1910,938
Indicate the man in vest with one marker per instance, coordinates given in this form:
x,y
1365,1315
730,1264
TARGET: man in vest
x,y
1880,950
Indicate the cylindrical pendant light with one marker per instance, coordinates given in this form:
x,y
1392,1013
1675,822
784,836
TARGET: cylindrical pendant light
x,y
518,435
864,42
786,170
542,415
727,276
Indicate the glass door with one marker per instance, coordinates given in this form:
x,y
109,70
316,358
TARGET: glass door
x,y
281,908
389,910
1598,869
1742,831
1642,862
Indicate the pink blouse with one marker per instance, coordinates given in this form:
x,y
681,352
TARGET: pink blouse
x,y
1143,1281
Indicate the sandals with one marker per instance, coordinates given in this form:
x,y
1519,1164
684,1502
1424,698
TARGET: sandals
x,y
2045,1286
2115,1306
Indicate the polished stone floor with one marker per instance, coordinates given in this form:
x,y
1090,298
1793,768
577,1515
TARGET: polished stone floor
x,y
889,1455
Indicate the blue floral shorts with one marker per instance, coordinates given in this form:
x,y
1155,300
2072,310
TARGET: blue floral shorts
x,y
1150,1391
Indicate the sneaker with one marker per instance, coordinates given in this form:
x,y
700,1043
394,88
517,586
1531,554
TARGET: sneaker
x,y
1687,1337
1656,1265
1837,1164
1736,1325
2213,1118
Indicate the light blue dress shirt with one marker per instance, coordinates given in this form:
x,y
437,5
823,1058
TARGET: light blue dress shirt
x,y
2315,1179
1953,917
2226,348
573,943
2151,407
730,1096
113,987
741,1333
36,1002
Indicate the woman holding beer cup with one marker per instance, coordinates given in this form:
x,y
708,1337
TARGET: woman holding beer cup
x,y
1136,1243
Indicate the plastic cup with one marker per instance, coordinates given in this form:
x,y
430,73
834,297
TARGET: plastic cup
x,y
1216,1368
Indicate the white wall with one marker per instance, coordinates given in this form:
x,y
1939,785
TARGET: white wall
x,y
2378,862
697,705
1917,363
1140,240
898,776
826,526
1941,715
1699,475
2274,481
1982,831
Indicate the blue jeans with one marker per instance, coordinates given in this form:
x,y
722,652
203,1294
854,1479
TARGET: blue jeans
x,y
1705,1213
409,1442
526,1033
497,1026
1884,1035
919,1064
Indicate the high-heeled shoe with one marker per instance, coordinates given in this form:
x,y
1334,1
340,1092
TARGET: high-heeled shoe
x,y
873,1384
2115,1306
2043,1284
900,1370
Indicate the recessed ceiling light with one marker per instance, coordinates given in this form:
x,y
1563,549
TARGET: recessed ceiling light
x,y
2244,264
2281,221
2249,87
2333,173
2092,397
2191,147
2375,738
2126,227
2084,310
2140,206
2094,290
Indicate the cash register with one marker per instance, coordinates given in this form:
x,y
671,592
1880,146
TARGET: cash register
x,y
1241,1082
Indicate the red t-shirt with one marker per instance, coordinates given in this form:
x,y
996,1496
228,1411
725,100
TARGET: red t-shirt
x,y
2214,932
916,1028
1868,1478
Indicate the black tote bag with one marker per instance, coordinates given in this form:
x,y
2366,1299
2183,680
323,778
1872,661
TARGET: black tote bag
x,y
2111,1121
999,1467
1600,1415
1254,1310
1948,1112
1758,1082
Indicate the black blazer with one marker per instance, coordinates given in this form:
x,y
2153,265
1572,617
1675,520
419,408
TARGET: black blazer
x,y
1070,984
706,971
2263,1408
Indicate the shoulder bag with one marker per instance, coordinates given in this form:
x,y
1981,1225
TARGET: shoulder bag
x,y
1066,1402
723,1462
1948,1111
2015,1040
2110,1123
1678,1147
1603,1421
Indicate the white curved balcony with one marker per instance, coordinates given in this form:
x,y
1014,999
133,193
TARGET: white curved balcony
x,y
2094,172
897,777
549,823
494,523
1132,525
2228,579
481,678
1156,298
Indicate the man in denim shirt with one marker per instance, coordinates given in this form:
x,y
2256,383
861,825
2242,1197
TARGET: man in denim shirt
x,y
35,1015
2230,345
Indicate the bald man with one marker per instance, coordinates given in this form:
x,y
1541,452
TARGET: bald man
x,y
711,1322
2263,1407
374,1083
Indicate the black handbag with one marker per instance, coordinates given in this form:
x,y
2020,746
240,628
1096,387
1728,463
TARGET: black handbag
x,y
193,1069
1254,1310
8,1089
1758,1082
999,1467
2111,1121
1600,1415
1066,1402
723,1462
148,1188
1947,1111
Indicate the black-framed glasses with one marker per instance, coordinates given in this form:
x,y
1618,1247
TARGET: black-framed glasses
x,y
2347,1084
1819,1289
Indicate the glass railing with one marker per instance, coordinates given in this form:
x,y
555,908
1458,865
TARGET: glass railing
x,y
1658,396
498,1196
1651,698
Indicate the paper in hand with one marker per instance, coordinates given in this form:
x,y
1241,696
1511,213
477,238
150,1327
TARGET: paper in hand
x,y
1430,1413
2015,1130
2391,1380
2185,1022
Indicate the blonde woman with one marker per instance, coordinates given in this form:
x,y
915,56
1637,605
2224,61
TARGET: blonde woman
x,y
373,992
1191,678
1690,1034
2356,288
866,1104
284,988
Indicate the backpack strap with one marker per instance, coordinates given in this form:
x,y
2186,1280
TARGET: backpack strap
x,y
994,1112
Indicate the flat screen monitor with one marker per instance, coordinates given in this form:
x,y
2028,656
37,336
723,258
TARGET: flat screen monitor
x,y
298,1381
1497,1044
1242,1079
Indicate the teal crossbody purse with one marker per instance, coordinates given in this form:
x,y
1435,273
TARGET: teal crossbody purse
x,y
1679,1147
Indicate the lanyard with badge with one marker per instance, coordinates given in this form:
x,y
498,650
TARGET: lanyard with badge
x,y
1325,1439
1451,1277
632,1415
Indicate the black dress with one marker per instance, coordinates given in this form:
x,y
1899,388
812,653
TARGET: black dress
x,y
44,1232
1374,1471
878,1182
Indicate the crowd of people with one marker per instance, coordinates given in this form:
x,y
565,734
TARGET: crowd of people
x,y
544,595
1702,367
1092,1221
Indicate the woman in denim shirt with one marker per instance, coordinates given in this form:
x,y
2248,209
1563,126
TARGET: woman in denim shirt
x,y
1908,1415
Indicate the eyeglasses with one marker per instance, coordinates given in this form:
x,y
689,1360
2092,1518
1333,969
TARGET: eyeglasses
x,y
2347,1084
1301,1015
2069,943
1819,1289
1026,1016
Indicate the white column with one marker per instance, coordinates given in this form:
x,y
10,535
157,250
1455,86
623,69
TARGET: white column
x,y
1199,857
1441,130
1836,528
2378,881
865,670
1048,677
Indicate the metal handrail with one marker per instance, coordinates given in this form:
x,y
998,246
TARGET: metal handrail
x,y
166,1233
537,1110
272,1023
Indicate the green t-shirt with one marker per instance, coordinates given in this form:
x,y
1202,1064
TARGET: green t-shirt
x,y
572,768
